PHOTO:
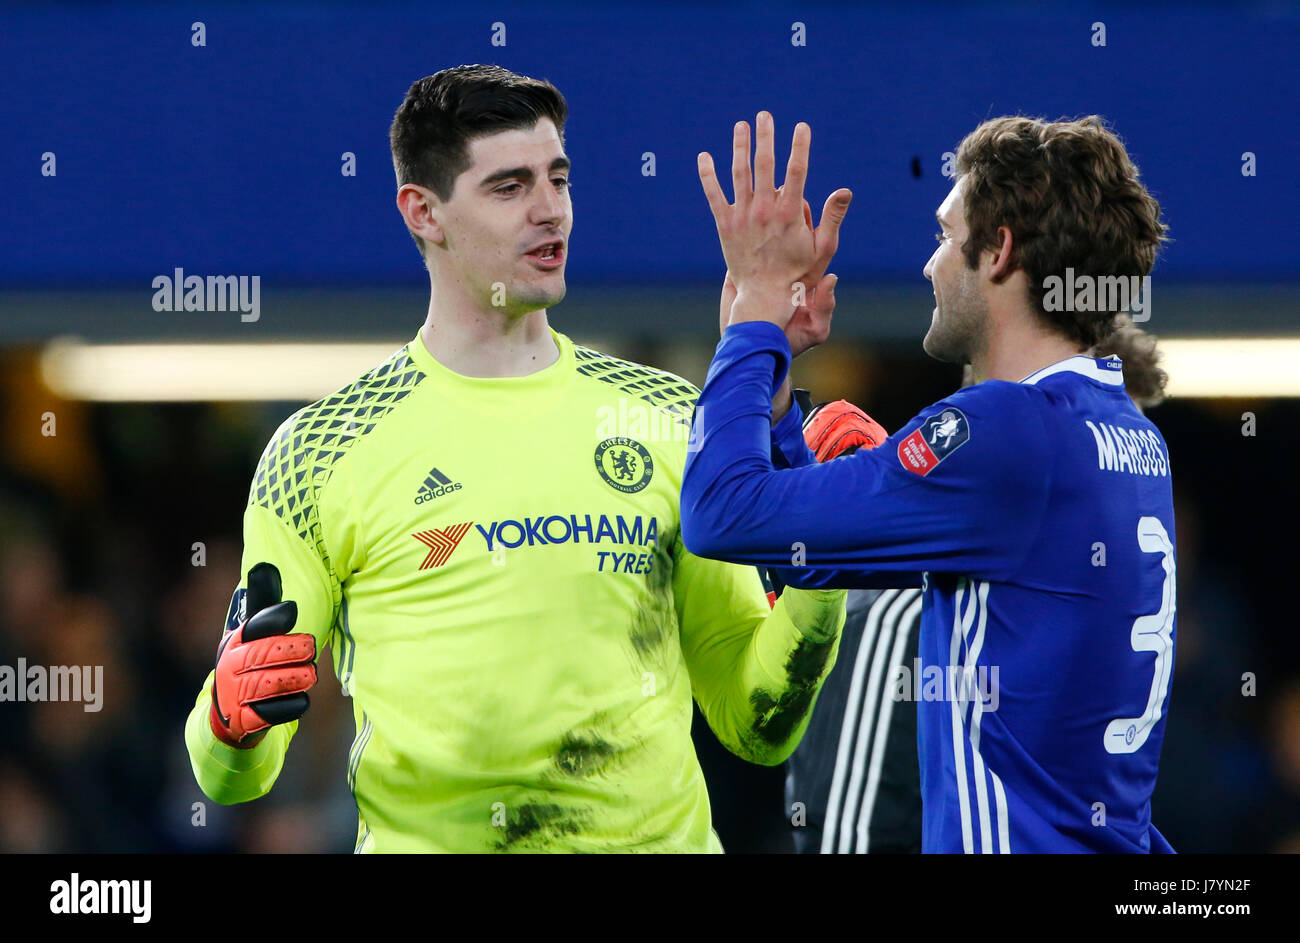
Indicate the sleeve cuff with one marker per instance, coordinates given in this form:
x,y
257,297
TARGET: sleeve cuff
x,y
787,436
818,613
760,337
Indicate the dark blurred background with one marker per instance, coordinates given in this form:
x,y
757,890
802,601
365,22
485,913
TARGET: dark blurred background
x,y
130,150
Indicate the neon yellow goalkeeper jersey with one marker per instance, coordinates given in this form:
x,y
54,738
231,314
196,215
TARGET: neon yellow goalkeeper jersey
x,y
496,565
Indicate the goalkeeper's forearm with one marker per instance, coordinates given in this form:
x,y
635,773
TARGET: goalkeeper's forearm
x,y
226,774
762,708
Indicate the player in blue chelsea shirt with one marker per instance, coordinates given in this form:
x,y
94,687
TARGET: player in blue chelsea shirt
x,y
1034,508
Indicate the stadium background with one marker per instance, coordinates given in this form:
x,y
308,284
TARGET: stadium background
x,y
225,158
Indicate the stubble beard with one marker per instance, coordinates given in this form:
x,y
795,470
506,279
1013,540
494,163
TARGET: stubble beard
x,y
516,298
960,327
531,298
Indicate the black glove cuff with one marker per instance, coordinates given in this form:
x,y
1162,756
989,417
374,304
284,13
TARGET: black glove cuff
x,y
804,399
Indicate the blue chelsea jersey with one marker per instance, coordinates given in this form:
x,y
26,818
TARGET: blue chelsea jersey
x,y
1038,517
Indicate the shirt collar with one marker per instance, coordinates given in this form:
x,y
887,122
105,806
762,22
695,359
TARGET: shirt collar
x,y
1107,370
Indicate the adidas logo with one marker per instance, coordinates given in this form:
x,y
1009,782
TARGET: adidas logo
x,y
435,486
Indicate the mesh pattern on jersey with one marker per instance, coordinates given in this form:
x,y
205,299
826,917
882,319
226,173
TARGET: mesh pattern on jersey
x,y
657,387
301,458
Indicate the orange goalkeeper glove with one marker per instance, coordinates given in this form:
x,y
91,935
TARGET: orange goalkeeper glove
x,y
831,430
840,428
263,670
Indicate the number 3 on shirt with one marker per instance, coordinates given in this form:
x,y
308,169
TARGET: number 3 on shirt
x,y
1153,633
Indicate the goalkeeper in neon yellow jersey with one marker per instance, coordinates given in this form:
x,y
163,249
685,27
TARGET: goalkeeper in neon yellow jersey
x,y
485,529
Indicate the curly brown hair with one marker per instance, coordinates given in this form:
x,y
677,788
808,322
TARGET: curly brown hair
x,y
1071,197
1144,380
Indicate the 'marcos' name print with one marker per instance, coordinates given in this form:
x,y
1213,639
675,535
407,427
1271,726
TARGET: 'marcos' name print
x,y
1136,451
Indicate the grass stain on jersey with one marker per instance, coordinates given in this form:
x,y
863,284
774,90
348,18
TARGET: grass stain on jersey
x,y
777,716
584,754
648,631
539,824
654,620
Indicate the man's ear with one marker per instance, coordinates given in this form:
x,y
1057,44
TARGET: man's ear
x,y
1003,257
420,210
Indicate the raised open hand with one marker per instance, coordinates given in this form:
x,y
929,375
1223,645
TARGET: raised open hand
x,y
775,259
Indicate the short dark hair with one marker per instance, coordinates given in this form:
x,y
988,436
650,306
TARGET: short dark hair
x,y
443,112
1072,199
